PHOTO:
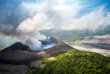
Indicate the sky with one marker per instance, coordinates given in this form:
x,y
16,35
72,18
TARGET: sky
x,y
27,17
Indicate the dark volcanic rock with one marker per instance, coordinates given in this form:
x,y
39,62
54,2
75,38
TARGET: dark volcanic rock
x,y
18,57
18,54
17,46
13,69
61,47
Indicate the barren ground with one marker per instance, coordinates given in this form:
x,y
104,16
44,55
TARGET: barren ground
x,y
92,49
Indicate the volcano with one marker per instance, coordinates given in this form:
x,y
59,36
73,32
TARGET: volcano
x,y
20,54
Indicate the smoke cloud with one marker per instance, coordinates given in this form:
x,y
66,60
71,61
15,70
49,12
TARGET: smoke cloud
x,y
36,44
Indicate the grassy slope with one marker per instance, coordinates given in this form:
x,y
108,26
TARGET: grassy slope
x,y
1,48
76,62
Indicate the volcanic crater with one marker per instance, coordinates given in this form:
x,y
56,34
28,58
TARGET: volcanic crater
x,y
18,58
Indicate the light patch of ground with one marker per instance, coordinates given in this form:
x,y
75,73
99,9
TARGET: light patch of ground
x,y
37,64
92,49
41,52
52,58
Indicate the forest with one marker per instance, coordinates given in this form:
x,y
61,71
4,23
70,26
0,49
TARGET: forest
x,y
75,62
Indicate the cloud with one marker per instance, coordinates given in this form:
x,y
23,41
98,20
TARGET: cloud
x,y
56,11
31,17
89,21
30,8
49,14
28,18
63,16
32,24
6,41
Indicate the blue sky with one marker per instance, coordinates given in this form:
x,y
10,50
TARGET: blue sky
x,y
96,3
91,4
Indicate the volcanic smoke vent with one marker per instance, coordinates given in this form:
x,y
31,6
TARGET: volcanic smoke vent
x,y
20,54
35,44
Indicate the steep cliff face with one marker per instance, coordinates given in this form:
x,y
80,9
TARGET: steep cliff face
x,y
19,54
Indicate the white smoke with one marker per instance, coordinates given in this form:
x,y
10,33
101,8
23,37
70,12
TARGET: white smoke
x,y
33,43
49,46
36,44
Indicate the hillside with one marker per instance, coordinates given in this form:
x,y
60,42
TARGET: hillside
x,y
68,35
73,35
75,62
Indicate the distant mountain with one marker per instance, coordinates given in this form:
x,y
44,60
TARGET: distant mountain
x,y
73,35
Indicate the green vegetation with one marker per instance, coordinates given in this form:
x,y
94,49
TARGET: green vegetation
x,y
78,42
1,48
75,62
